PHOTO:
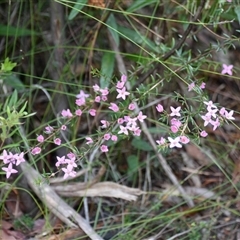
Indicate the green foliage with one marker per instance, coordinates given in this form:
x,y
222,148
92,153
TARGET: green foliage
x,y
133,166
76,9
141,144
136,5
138,38
113,28
107,67
15,31
7,65
24,224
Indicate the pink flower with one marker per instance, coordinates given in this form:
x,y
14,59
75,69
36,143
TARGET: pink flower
x,y
96,88
40,138
20,158
191,86
227,69
82,95
174,128
203,133
114,107
12,158
89,140
104,98
69,172
122,93
159,108
97,99
36,150
60,161
105,124
215,124
80,101
207,119
71,162
66,113
48,130
184,139
222,111
137,131
203,85
210,104
175,111
161,141
71,156
212,112
104,148
120,84
174,142
141,117
176,122
131,106
229,115
130,121
63,127
120,120
57,141
5,157
92,112
114,138
123,78
107,136
123,130
104,92
78,112
9,170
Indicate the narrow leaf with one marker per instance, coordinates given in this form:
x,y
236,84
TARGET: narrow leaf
x,y
140,4
15,31
107,69
76,8
112,23
136,37
141,144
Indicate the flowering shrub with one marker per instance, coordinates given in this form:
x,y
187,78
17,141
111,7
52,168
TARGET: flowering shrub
x,y
122,120
125,123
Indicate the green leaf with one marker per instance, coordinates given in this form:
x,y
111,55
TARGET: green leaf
x,y
138,38
107,69
76,9
112,23
237,11
7,66
140,4
141,144
14,82
23,107
133,165
15,31
13,100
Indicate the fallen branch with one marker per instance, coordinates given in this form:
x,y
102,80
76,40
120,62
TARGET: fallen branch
x,y
56,204
101,189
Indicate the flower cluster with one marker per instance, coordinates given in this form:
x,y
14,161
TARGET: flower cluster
x,y
11,159
212,115
67,165
126,124
175,127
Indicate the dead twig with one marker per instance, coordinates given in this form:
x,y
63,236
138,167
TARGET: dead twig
x,y
101,189
56,204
